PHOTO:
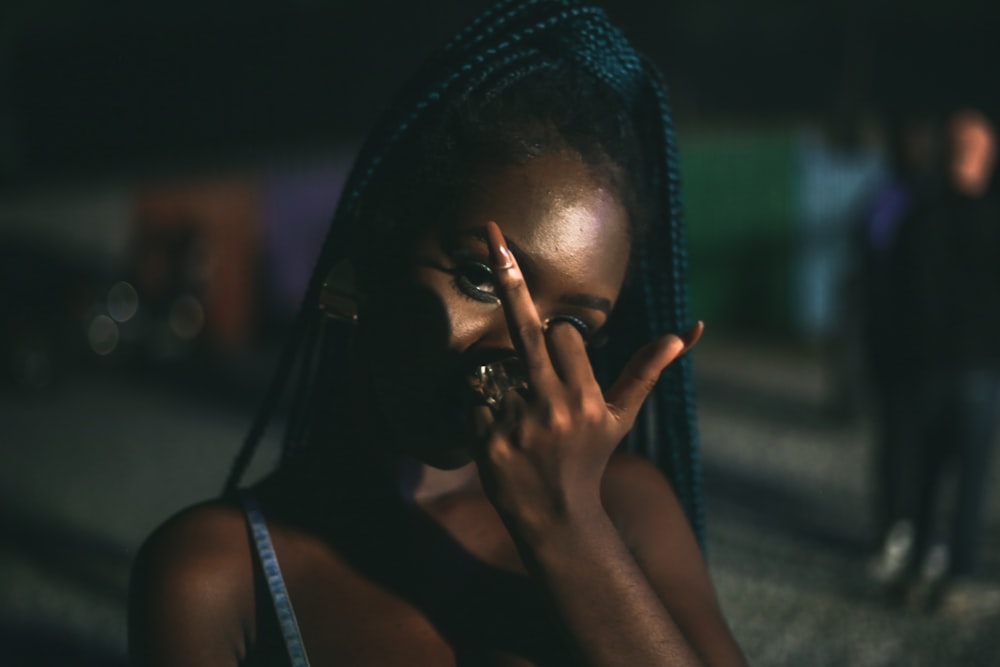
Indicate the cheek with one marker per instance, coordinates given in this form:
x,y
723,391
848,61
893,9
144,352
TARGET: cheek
x,y
460,321
416,333
413,352
473,322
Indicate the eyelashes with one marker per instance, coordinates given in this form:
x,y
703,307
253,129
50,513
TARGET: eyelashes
x,y
474,279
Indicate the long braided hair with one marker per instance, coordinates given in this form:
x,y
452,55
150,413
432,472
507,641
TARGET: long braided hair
x,y
505,46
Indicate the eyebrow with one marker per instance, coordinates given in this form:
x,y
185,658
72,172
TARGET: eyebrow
x,y
588,301
530,266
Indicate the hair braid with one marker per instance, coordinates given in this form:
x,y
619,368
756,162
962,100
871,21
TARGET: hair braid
x,y
507,44
677,389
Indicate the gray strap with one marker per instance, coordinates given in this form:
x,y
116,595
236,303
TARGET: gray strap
x,y
275,583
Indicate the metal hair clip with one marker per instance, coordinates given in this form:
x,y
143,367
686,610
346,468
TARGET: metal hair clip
x,y
339,296
493,381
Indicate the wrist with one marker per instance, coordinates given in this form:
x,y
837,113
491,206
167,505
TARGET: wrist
x,y
573,527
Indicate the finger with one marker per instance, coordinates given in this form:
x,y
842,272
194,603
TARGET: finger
x,y
693,335
502,418
482,421
495,441
519,310
643,370
568,353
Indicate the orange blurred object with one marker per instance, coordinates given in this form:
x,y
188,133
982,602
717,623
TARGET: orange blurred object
x,y
206,234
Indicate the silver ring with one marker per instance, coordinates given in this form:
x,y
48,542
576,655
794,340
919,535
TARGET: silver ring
x,y
493,381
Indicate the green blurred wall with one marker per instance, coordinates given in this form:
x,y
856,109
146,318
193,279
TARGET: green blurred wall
x,y
739,189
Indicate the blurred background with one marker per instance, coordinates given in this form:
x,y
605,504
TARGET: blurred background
x,y
166,174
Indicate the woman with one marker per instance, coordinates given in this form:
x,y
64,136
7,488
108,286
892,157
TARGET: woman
x,y
450,491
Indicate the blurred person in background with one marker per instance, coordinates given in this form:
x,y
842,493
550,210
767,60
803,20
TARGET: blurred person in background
x,y
913,159
945,278
839,165
450,491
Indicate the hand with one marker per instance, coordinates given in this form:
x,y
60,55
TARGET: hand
x,y
543,452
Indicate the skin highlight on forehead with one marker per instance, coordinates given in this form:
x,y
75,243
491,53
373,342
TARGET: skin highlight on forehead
x,y
561,217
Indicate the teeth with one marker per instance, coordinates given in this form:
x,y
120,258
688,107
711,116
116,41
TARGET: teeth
x,y
493,381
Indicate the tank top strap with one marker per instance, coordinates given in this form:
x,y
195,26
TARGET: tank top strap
x,y
275,583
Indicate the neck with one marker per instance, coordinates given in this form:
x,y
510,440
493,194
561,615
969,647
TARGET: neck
x,y
346,463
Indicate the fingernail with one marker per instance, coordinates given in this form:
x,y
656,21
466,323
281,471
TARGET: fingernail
x,y
693,335
503,257
506,259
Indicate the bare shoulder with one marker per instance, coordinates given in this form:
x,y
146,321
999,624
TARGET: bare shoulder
x,y
628,467
638,497
191,590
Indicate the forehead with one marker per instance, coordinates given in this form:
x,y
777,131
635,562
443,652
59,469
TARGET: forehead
x,y
559,214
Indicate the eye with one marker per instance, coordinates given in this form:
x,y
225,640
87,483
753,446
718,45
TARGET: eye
x,y
475,280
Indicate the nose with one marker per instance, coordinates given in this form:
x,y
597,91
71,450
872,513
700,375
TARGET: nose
x,y
493,339
495,331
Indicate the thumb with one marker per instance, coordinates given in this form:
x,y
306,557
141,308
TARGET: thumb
x,y
641,373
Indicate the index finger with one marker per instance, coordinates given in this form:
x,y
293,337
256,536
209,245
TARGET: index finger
x,y
523,322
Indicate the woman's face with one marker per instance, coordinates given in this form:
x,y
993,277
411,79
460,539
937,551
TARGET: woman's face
x,y
429,324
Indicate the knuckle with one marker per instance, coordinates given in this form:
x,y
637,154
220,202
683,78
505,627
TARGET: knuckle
x,y
644,383
529,332
647,384
498,452
558,419
592,411
512,280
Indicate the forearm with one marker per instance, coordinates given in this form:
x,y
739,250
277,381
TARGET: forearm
x,y
602,598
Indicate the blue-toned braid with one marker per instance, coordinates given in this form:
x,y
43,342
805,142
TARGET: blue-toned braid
x,y
504,46
667,301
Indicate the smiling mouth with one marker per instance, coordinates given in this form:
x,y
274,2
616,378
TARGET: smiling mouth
x,y
490,382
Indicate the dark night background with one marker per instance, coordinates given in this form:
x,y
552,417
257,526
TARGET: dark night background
x,y
91,89
210,138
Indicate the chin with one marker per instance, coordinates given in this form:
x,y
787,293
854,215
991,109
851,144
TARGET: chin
x,y
442,442
446,459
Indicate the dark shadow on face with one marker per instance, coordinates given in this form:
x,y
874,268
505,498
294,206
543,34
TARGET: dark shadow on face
x,y
420,395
